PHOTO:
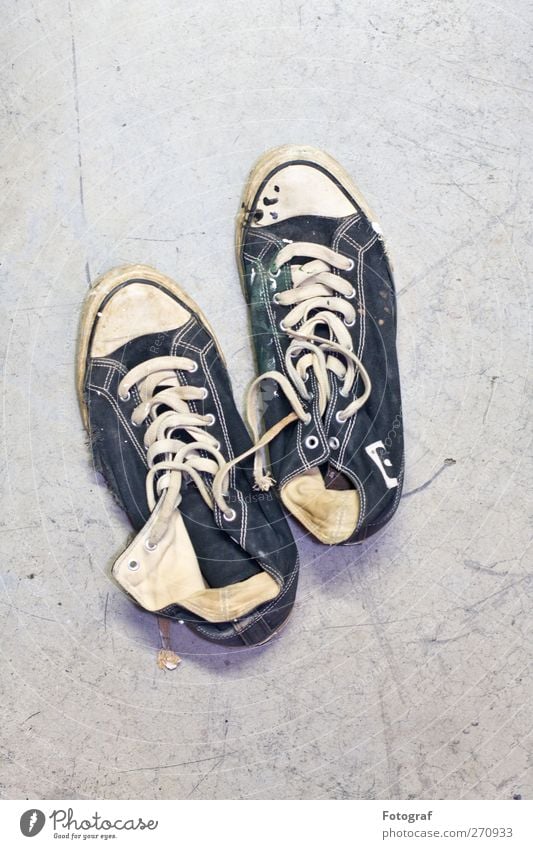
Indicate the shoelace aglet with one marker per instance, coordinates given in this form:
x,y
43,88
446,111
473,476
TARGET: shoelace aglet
x,y
264,483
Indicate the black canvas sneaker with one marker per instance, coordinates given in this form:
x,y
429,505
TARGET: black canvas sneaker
x,y
319,286
156,398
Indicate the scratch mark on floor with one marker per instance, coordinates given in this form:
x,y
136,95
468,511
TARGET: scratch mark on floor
x,y
148,239
78,129
37,712
488,570
26,612
493,380
505,589
388,743
444,640
173,766
206,775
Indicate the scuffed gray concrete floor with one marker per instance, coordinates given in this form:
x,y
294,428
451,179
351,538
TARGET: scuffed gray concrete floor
x,y
127,131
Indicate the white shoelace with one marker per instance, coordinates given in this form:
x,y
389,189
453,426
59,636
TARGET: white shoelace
x,y
158,386
327,295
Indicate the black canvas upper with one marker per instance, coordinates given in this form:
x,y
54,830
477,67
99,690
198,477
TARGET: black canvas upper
x,y
377,474
257,539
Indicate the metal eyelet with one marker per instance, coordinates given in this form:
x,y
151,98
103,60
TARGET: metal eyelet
x,y
150,546
193,368
204,394
334,443
275,273
311,442
134,565
340,418
230,515
125,397
351,266
282,326
349,323
307,419
275,298
343,393
216,445
211,420
351,296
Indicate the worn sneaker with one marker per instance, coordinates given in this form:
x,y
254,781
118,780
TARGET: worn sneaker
x,y
156,398
319,285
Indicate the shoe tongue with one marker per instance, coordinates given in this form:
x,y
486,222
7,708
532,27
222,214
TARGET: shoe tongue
x,y
333,479
306,228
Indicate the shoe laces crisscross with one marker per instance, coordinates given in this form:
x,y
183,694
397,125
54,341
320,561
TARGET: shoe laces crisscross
x,y
319,297
167,403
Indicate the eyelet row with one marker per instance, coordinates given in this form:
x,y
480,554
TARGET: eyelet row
x,y
312,442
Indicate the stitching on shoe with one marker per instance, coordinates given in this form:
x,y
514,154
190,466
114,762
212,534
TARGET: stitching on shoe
x,y
270,240
372,241
394,505
268,568
341,456
361,344
244,522
107,361
123,420
109,377
180,332
339,233
219,406
361,298
266,299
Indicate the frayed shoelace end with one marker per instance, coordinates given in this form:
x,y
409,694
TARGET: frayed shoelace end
x,y
167,659
264,483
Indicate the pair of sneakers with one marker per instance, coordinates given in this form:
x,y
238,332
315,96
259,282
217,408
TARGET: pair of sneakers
x,y
213,548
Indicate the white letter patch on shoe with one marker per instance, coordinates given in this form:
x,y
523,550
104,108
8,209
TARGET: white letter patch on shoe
x,y
372,451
